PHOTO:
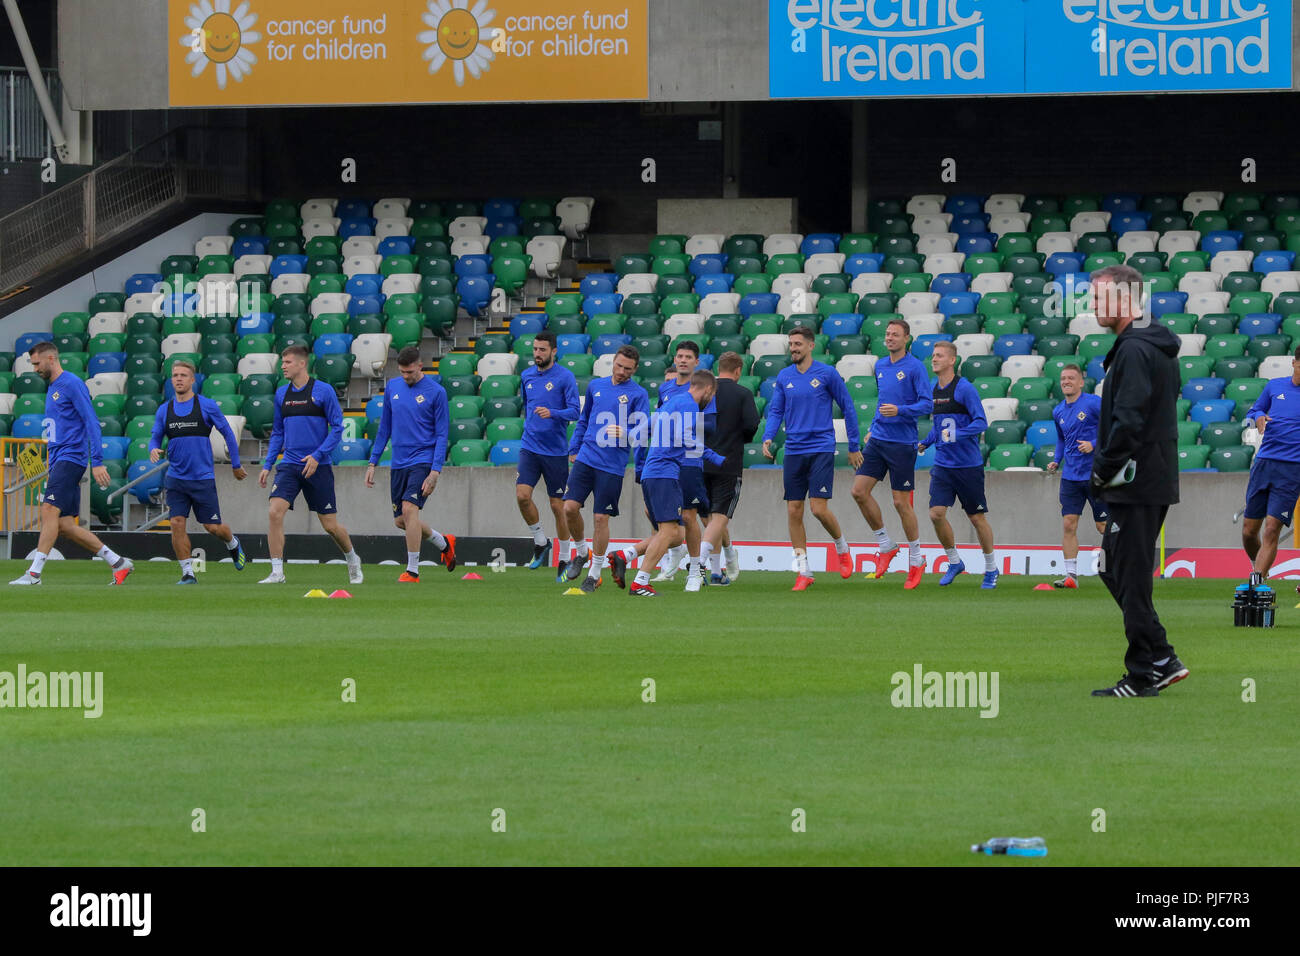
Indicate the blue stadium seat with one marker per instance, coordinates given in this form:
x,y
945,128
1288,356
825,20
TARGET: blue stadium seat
x,y
256,323
142,282
923,345
1041,433
1129,221
505,226
819,242
1204,389
356,450
966,204
114,447
473,265
358,226
364,283
861,262
366,304
375,408
529,324
1095,369
970,222
707,360
601,304
842,323
708,264
975,243
396,246
1221,240
608,344
599,283
1061,263
106,362
27,426
767,388
1163,302
759,303
1121,203
714,282
333,344
1260,323
23,344
353,209
475,293
248,246
962,303
150,487
951,283
1281,261
505,452
1004,346
291,264
500,208
572,344
1208,413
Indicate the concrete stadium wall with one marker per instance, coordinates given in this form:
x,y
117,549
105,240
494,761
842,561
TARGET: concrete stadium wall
x,y
1023,508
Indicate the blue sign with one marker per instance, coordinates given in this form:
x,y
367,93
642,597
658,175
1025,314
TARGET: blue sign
x,y
858,48
1102,46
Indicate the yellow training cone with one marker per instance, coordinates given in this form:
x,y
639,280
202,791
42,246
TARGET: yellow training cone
x,y
315,592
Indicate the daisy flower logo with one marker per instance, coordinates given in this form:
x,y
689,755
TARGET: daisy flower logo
x,y
221,37
456,33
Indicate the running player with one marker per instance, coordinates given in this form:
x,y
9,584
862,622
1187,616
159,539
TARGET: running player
x,y
615,416
1076,421
308,426
729,421
958,471
550,402
1274,484
73,441
802,400
904,396
415,416
187,422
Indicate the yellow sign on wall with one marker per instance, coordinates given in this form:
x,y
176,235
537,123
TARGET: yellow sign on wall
x,y
291,52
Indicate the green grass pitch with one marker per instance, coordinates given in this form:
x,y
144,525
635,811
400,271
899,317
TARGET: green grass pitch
x,y
504,694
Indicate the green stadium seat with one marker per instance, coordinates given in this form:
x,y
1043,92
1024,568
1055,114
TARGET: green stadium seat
x,y
1195,366
1179,323
1005,433
1193,456
1095,345
504,429
505,406
460,429
980,366
1230,369
1222,435
1189,433
1003,457
1217,323
1232,459
499,386
997,303
992,387
1227,345
470,451
334,370
770,365
1264,346
1044,456
457,365
1031,389
1035,410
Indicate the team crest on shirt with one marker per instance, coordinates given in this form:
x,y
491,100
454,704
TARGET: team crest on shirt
x,y
54,397
419,399
622,399
1082,416
901,375
814,383
549,386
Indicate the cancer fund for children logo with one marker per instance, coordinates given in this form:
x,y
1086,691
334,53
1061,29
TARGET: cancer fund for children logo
x,y
218,36
455,35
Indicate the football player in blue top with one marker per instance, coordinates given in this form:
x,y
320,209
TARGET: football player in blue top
x,y
1076,421
1275,473
550,394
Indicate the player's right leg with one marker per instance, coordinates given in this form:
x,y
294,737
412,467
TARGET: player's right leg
x,y
178,504
526,477
869,473
942,495
1069,551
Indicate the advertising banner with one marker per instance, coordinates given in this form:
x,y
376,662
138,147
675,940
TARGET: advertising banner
x,y
305,52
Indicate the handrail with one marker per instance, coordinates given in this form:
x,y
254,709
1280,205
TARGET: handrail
x,y
136,480
26,481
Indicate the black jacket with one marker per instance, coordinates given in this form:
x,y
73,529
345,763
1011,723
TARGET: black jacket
x,y
1139,417
733,425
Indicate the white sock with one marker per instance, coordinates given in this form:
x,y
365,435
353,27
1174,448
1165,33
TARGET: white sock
x,y
233,546
439,541
109,555
413,562
841,545
730,552
953,556
989,559
187,568
1072,567
801,562
350,557
643,578
695,569
707,556
597,563
38,562
539,537
715,563
914,553
883,541
277,565
629,554
583,550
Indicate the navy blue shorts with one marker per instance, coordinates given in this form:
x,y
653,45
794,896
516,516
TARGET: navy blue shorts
x,y
695,495
1272,490
554,469
950,484
63,487
604,487
896,457
663,500
1075,494
197,496
405,484
809,476
317,491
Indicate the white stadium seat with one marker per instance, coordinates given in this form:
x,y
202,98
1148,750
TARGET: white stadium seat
x,y
705,244
311,228
1194,282
1000,409
318,209
924,204
1050,242
330,302
104,323
391,208
720,303
1207,303
105,383
932,224
1135,241
973,343
1275,366
466,226
782,244
637,283
547,253
361,265
214,246
824,263
768,344
359,246
1004,202
180,342
855,366
290,283
1178,240
987,282
258,363
918,303
469,246
870,283
1191,343
683,323
371,350
575,215
1017,367
252,265
385,228
1089,222
401,283
220,452
936,243
497,363
1202,201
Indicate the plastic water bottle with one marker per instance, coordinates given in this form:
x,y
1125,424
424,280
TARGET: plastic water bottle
x,y
1012,846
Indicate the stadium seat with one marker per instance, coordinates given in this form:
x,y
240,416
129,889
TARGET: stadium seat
x,y
1003,457
1231,459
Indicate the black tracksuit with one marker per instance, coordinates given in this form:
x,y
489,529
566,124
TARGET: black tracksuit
x,y
1138,421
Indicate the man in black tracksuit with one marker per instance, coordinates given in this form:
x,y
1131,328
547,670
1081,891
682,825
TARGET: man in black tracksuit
x,y
729,422
1138,423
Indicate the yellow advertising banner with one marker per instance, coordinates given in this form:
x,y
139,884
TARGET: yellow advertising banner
x,y
309,52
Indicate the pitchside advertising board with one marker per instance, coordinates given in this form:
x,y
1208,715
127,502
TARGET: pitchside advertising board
x,y
305,52
860,48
